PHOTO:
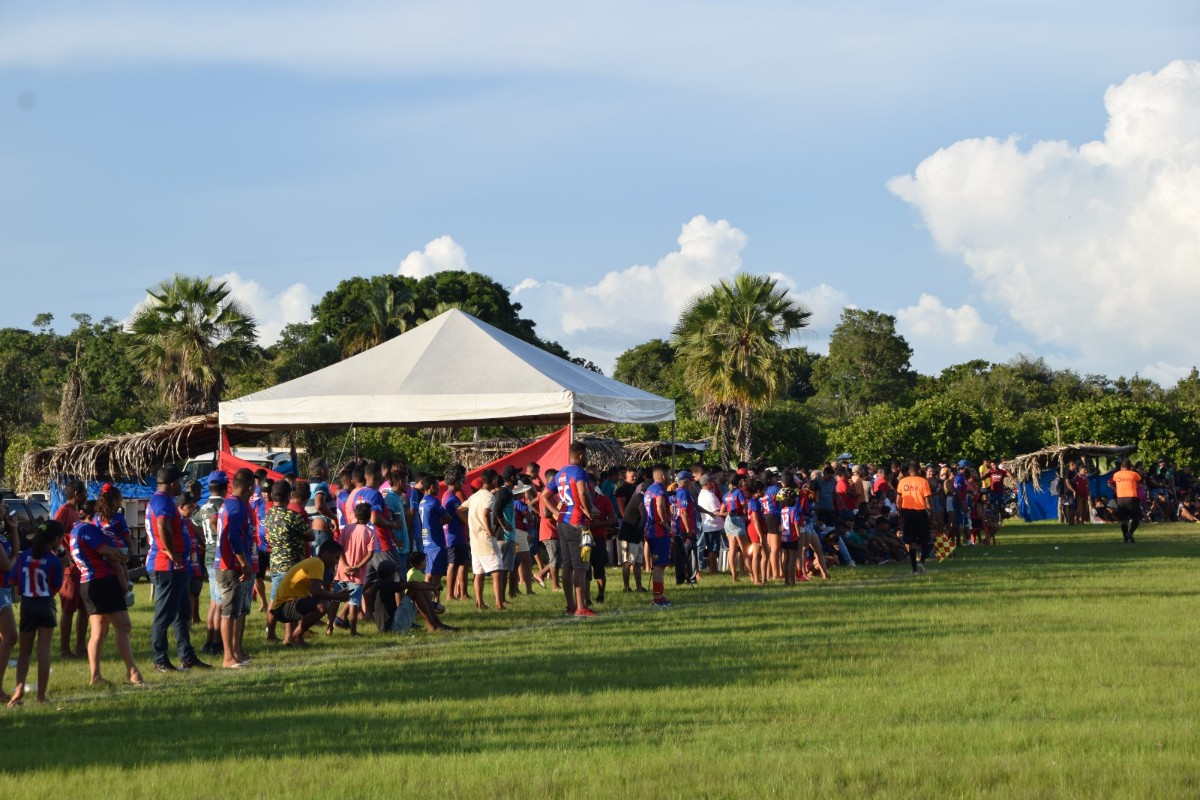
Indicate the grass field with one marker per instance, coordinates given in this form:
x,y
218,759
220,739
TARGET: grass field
x,y
1019,670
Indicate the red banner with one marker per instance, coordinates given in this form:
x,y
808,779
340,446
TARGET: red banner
x,y
549,452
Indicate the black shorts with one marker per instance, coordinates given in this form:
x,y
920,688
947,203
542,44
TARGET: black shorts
x,y
916,526
792,545
37,612
296,610
827,517
773,523
458,556
599,559
103,596
1128,508
195,585
264,564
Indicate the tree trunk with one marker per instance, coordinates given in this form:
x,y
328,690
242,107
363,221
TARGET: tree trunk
x,y
747,430
3,455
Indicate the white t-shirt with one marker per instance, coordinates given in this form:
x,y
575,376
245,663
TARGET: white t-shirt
x,y
709,503
479,510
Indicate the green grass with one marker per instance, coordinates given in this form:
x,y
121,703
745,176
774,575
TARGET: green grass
x,y
1012,671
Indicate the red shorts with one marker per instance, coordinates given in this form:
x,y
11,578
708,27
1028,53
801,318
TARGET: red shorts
x,y
755,538
69,594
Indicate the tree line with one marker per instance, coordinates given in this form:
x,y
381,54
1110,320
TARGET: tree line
x,y
730,363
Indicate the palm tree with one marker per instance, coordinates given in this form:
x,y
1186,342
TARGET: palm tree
x,y
185,336
386,313
731,342
443,307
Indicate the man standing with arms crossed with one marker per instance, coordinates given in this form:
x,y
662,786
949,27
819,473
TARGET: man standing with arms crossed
x,y
169,555
916,507
576,515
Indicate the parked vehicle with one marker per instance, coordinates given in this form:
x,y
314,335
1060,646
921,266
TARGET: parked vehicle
x,y
27,513
195,469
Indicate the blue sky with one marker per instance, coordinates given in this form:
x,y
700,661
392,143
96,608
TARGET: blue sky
x,y
610,159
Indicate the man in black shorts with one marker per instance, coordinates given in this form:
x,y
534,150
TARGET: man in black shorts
x,y
915,499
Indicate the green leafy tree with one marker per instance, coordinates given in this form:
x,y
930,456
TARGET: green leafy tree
x,y
651,367
20,400
730,342
385,312
868,364
185,338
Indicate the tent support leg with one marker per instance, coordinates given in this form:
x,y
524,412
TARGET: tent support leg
x,y
571,429
672,446
354,428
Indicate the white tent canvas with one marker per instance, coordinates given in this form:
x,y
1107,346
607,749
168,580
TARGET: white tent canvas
x,y
453,370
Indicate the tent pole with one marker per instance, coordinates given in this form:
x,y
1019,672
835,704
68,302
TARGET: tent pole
x,y
672,445
571,429
354,428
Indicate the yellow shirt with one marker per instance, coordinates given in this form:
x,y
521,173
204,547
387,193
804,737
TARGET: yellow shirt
x,y
296,584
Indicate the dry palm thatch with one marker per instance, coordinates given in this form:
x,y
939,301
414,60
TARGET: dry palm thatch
x,y
646,452
72,412
132,455
1030,466
602,452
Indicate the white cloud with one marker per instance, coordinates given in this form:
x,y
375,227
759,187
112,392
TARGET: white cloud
x,y
629,306
272,310
1093,250
941,335
441,254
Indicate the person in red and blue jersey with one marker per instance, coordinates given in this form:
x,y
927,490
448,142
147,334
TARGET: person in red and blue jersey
x,y
658,532
381,515
169,554
103,597
574,496
235,567
734,507
260,503
9,533
683,515
770,510
38,575
345,484
791,520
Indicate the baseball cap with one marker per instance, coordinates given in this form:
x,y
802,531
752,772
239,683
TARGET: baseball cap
x,y
522,487
964,463
705,479
683,475
217,478
168,474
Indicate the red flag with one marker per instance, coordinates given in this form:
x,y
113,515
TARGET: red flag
x,y
549,451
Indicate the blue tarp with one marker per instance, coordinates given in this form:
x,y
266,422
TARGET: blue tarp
x,y
1034,505
136,491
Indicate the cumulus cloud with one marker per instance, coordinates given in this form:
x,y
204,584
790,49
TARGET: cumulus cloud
x,y
272,310
441,254
1092,249
941,335
628,306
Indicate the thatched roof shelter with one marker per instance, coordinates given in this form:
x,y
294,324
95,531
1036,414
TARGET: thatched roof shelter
x,y
643,452
1030,466
132,455
603,452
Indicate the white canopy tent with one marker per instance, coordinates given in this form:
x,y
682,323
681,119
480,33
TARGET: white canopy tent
x,y
452,371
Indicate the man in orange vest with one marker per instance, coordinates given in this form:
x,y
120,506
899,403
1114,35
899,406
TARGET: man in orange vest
x,y
1129,509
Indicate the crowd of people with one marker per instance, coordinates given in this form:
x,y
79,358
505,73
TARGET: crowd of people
x,y
377,543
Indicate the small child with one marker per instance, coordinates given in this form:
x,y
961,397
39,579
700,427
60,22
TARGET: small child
x,y
188,505
359,543
38,575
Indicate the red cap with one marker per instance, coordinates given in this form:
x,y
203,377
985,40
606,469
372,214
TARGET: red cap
x,y
477,484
